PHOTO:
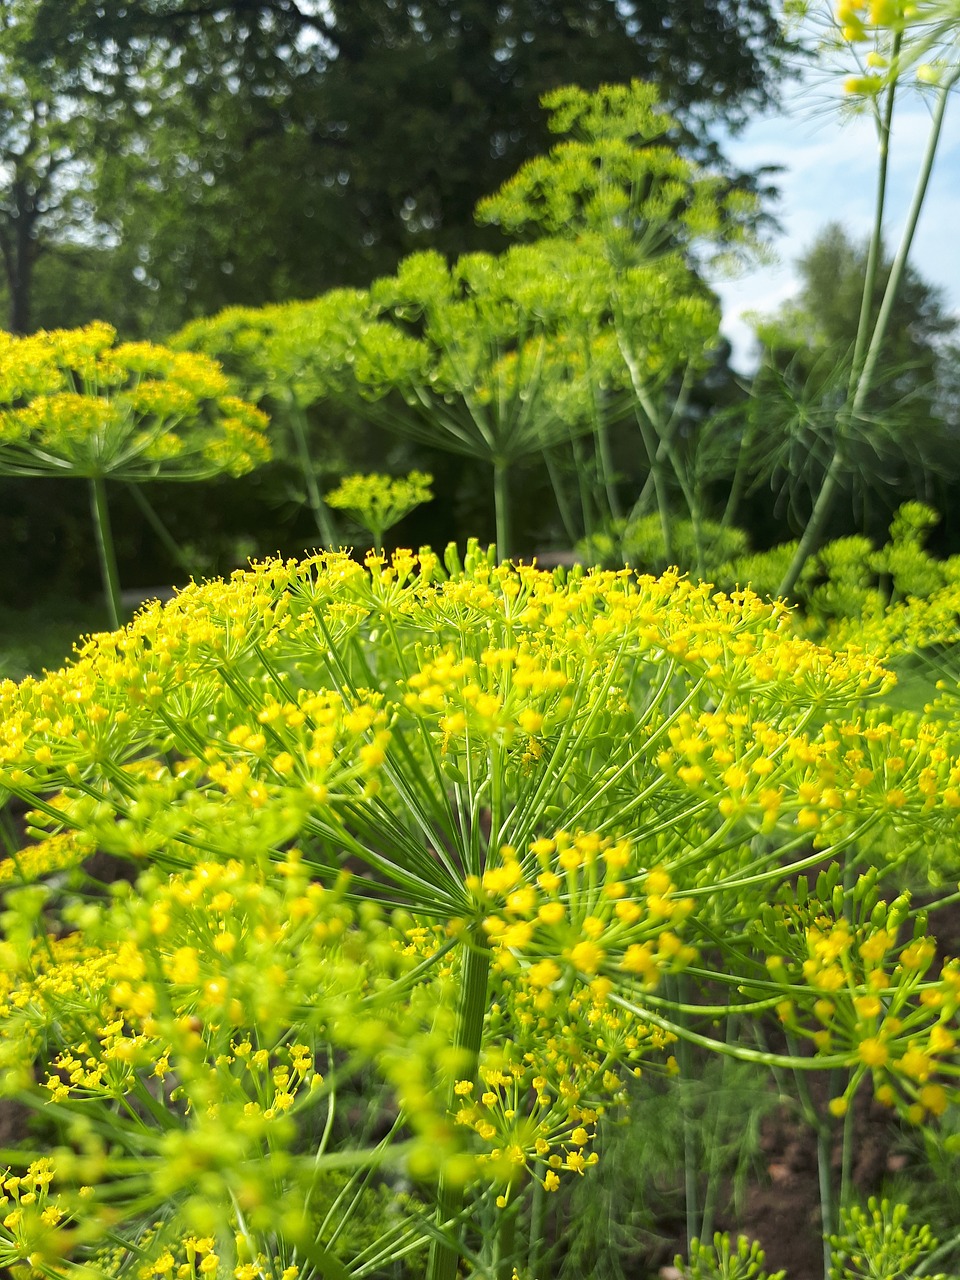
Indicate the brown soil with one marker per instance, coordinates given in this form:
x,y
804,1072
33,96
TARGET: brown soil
x,y
784,1213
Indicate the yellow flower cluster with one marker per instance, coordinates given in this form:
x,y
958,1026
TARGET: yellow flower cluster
x,y
772,776
855,988
33,1221
56,853
925,33
193,1257
378,502
74,402
576,903
376,801
522,1123
856,17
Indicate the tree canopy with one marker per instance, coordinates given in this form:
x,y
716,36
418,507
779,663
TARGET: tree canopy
x,y
395,118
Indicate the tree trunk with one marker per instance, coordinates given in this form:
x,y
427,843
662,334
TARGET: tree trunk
x,y
20,265
20,255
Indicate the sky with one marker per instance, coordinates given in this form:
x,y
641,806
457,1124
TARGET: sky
x,y
829,174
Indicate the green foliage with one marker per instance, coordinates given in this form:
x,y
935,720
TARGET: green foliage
x,y
216,109
718,1261
805,377
849,580
640,216
505,358
640,544
37,638
899,37
47,137
618,1218
378,502
630,203
876,1244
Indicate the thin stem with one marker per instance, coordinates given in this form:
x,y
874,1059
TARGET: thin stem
x,y
538,1210
691,1188
846,1155
647,432
824,1133
321,513
906,243
826,1194
563,503
590,525
506,1241
444,1256
501,502
105,550
715,1166
738,484
876,236
605,463
170,545
602,442
864,378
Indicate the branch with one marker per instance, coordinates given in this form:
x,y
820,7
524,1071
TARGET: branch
x,y
288,9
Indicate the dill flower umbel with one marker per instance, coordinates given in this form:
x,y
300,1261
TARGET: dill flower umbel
x,y
76,402
484,834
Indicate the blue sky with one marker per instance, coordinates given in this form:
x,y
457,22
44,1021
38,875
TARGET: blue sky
x,y
829,175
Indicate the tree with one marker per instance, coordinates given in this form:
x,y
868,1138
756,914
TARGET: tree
x,y
825,311
248,93
802,383
44,144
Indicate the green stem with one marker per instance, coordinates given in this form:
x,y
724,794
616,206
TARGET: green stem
x,y
605,463
876,236
321,514
105,549
170,545
738,484
581,469
691,1189
647,432
473,1006
563,503
899,266
712,1147
602,445
846,1154
926,1264
506,1241
826,1194
863,378
824,1132
501,503
538,1210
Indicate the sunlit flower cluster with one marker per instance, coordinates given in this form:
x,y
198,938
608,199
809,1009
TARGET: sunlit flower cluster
x,y
75,402
468,831
378,502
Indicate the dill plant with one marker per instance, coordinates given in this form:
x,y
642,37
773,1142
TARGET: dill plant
x,y
891,48
378,502
493,838
536,352
74,402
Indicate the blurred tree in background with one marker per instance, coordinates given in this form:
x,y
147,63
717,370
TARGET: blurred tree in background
x,y
167,159
212,153
277,149
906,432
